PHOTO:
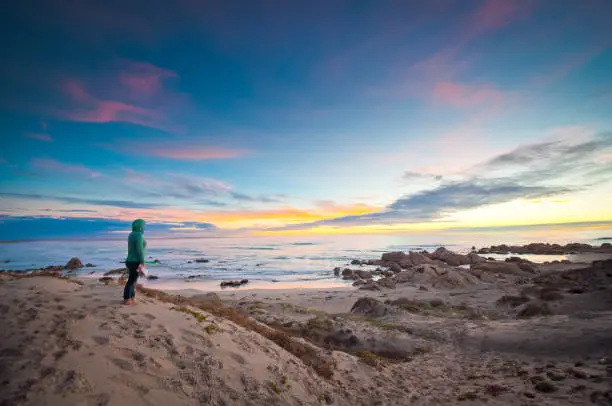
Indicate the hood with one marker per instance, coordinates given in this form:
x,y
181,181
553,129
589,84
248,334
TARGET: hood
x,y
138,225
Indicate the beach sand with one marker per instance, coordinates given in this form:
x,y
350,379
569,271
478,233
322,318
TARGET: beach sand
x,y
67,342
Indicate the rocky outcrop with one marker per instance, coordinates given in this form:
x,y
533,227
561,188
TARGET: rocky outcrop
x,y
450,257
545,249
533,309
74,263
370,307
506,268
350,274
233,284
397,257
475,258
388,283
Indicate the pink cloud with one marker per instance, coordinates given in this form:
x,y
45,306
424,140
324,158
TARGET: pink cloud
x,y
194,153
94,110
57,166
39,136
470,95
494,14
143,78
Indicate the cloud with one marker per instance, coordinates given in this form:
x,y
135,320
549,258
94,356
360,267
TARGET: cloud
x,y
419,176
538,170
467,95
260,199
78,200
144,79
94,110
39,136
192,153
56,166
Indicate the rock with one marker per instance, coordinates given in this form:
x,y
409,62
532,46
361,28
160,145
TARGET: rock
x,y
152,277
527,267
423,289
474,258
156,261
450,257
73,264
550,295
355,262
417,258
368,306
118,271
370,285
508,268
396,257
545,387
106,279
337,271
532,309
386,283
234,284
89,265
436,302
403,277
363,274
469,395
359,282
606,245
511,301
387,273
201,261
453,279
496,389
556,376
482,275
395,267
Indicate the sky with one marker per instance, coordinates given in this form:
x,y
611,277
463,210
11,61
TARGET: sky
x,y
287,117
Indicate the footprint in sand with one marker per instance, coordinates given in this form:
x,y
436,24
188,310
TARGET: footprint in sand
x,y
123,364
100,340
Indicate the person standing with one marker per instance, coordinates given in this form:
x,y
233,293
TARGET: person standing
x,y
135,261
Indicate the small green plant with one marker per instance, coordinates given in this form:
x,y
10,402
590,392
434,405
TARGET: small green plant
x,y
368,357
198,316
211,328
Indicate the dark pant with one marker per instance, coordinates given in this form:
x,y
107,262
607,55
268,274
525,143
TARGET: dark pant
x,y
128,292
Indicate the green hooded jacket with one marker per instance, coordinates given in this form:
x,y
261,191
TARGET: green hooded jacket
x,y
136,243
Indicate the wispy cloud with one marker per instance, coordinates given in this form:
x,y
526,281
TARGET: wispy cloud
x,y
467,95
78,200
39,136
192,153
57,166
539,170
144,79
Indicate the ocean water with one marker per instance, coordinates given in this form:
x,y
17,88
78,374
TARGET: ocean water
x,y
267,262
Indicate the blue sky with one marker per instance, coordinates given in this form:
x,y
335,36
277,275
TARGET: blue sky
x,y
326,116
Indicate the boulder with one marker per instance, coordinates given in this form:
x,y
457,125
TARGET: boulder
x,y
403,277
337,271
386,283
482,275
387,273
152,277
395,268
370,285
363,274
73,264
359,282
368,306
532,309
511,301
396,257
202,261
450,257
106,279
474,258
418,258
355,262
453,279
89,265
508,268
527,267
